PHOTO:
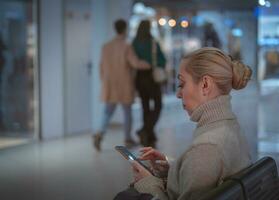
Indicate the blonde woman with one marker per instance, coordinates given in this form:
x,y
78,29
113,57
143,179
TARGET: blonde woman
x,y
219,149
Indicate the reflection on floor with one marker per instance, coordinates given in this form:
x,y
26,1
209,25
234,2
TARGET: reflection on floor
x,y
71,169
10,142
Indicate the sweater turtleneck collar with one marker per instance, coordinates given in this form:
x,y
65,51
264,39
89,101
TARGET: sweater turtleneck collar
x,y
214,110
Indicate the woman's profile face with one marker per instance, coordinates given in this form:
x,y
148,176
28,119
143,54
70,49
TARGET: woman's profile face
x,y
188,91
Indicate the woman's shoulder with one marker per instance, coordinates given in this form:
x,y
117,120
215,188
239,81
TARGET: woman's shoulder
x,y
221,135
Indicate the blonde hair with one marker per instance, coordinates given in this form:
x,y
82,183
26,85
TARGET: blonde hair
x,y
226,72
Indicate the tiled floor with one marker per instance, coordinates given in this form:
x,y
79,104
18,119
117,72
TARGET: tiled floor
x,y
71,169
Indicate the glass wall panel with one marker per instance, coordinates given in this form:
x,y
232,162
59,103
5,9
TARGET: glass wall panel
x,y
18,69
268,76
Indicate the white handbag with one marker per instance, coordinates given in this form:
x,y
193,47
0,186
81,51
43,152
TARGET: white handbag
x,y
159,73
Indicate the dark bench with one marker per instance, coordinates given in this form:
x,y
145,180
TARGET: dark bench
x,y
229,190
257,182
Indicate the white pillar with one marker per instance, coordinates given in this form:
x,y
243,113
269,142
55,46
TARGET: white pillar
x,y
51,68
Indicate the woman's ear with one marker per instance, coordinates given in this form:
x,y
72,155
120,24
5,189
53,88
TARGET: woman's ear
x,y
207,85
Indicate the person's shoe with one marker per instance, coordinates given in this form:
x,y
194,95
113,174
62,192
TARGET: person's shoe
x,y
143,137
130,143
97,141
152,137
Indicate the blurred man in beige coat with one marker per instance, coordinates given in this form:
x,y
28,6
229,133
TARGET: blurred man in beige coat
x,y
117,63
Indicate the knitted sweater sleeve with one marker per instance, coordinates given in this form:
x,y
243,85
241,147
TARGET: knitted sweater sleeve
x,y
199,172
152,185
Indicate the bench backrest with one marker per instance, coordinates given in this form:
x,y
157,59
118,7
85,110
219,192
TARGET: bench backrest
x,y
260,181
229,190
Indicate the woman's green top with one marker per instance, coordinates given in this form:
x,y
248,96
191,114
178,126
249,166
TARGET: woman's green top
x,y
143,50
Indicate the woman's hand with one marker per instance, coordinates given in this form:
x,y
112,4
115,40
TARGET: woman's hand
x,y
159,163
148,153
139,171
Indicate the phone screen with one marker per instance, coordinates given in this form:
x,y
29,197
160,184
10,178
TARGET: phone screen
x,y
129,156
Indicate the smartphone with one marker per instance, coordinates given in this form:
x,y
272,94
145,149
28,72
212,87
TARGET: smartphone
x,y
129,156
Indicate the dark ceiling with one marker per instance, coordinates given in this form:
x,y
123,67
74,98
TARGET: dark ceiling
x,y
175,5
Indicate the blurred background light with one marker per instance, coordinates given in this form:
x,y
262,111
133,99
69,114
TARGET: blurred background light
x,y
162,21
184,23
172,23
150,12
237,32
262,2
268,4
139,8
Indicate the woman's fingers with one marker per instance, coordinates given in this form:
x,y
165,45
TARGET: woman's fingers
x,y
148,154
152,155
136,166
144,149
139,171
136,171
162,162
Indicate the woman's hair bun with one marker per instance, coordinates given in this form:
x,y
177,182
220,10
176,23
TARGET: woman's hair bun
x,y
241,75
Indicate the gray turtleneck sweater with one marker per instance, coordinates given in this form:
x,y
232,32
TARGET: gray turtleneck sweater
x,y
218,150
